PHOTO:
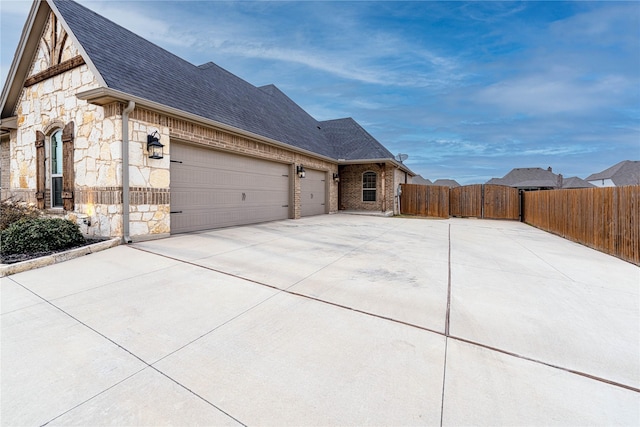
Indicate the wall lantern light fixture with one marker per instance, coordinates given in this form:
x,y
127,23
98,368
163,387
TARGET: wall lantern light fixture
x,y
300,171
336,177
154,146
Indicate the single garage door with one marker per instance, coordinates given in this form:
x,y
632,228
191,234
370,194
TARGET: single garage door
x,y
212,189
313,193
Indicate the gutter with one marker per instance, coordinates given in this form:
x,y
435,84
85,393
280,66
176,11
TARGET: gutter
x,y
125,171
103,96
394,162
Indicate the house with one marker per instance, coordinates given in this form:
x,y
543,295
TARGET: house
x,y
575,182
108,129
626,172
418,179
451,183
529,179
538,179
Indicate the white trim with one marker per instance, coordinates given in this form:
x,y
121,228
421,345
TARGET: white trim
x,y
375,189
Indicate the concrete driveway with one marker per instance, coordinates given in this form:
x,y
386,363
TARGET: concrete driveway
x,y
329,320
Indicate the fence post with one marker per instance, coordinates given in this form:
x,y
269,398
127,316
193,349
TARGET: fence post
x,y
482,201
521,213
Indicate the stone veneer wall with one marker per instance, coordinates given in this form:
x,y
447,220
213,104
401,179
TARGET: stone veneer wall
x,y
5,164
46,106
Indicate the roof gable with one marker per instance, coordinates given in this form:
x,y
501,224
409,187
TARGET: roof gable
x,y
575,182
349,140
47,48
418,179
452,183
527,178
22,63
626,172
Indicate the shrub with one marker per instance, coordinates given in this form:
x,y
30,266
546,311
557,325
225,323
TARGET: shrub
x,y
11,212
35,235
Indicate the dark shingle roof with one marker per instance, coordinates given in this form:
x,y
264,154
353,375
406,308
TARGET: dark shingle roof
x,y
349,140
418,179
626,172
575,182
452,183
527,178
135,66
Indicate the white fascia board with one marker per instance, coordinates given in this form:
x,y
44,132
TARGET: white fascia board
x,y
394,162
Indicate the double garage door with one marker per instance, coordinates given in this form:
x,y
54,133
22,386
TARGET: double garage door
x,y
213,189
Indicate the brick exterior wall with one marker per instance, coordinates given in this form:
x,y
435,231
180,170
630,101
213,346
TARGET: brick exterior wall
x,y
208,136
388,177
351,187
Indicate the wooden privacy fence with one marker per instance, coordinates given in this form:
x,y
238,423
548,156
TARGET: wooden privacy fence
x,y
466,201
606,219
501,202
479,201
424,200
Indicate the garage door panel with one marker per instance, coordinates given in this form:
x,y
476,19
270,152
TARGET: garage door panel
x,y
211,189
206,197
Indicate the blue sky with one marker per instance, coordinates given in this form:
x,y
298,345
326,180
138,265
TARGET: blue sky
x,y
469,90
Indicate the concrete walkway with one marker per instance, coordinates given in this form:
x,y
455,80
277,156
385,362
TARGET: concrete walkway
x,y
329,320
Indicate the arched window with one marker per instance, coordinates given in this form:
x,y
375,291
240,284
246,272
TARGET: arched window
x,y
56,169
369,187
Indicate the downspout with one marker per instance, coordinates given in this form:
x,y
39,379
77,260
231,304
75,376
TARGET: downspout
x,y
125,171
384,188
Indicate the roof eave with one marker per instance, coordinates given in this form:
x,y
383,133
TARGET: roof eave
x,y
26,47
9,123
102,96
394,162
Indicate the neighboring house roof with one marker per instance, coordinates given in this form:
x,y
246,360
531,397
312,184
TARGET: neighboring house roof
x,y
418,179
627,172
132,66
446,183
575,182
528,178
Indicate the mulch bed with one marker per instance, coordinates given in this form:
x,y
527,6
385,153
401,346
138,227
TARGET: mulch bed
x,y
12,259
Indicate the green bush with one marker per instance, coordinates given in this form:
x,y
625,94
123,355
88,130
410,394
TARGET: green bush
x,y
11,212
40,235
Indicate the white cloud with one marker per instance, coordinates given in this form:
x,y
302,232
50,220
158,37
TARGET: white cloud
x,y
137,18
552,94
